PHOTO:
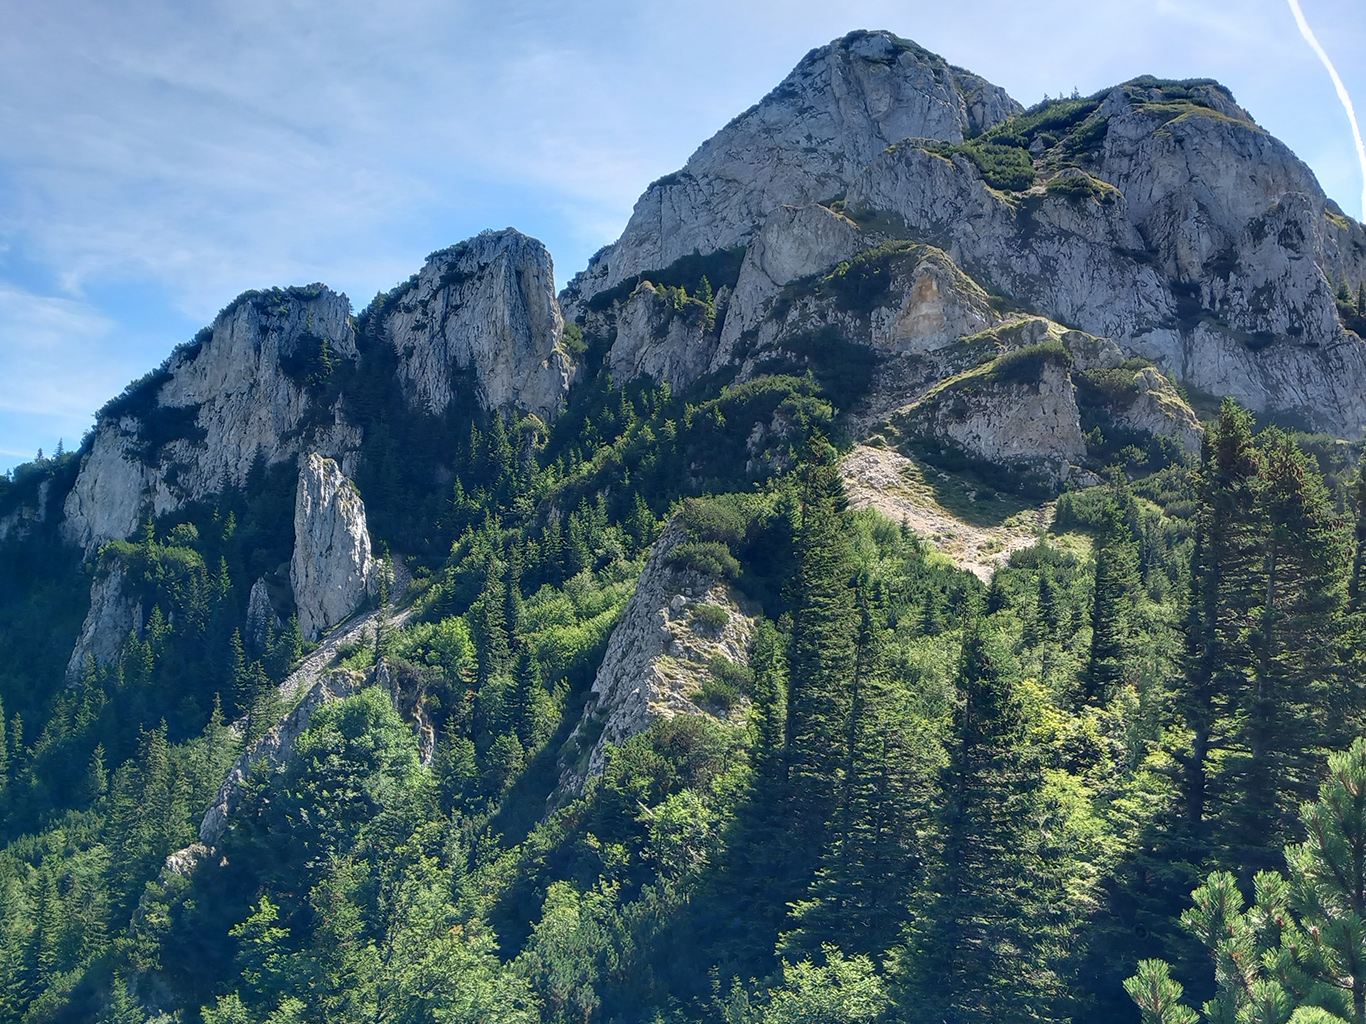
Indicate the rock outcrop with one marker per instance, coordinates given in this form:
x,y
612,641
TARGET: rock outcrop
x,y
330,569
115,612
261,619
662,652
1019,411
1187,234
480,324
803,143
238,393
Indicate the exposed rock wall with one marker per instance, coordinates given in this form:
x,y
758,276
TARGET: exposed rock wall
x,y
657,658
330,569
261,619
1209,254
481,324
114,613
1029,420
804,142
199,423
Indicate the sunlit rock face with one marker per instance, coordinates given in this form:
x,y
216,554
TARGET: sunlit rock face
x,y
803,143
330,570
237,394
480,324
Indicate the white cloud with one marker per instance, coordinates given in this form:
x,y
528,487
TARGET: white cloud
x,y
50,352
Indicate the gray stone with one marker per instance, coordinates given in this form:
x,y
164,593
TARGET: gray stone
x,y
330,569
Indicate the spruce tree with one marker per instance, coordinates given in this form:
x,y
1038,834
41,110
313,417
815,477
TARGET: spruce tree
x,y
1223,594
976,948
824,626
855,902
1115,590
1295,672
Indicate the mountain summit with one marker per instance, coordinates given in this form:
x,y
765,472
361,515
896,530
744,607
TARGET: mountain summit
x,y
893,572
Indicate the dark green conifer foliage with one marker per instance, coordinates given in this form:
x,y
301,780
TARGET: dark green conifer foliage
x,y
494,642
1358,581
1288,707
1115,590
857,900
1224,588
974,949
824,628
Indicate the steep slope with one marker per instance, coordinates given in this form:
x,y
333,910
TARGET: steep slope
x,y
480,323
237,393
1159,215
804,142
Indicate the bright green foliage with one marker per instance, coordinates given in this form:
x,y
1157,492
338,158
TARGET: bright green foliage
x,y
841,991
1297,954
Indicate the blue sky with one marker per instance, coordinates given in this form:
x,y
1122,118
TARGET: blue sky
x,y
161,157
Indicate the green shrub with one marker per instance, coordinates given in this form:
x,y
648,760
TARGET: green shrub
x,y
1025,365
740,677
710,557
715,519
1079,186
716,696
711,617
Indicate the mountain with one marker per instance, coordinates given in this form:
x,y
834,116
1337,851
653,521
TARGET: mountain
x,y
492,654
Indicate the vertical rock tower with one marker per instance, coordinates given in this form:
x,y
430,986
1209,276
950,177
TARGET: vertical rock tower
x,y
330,570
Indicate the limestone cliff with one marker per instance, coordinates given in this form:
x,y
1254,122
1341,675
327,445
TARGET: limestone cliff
x,y
115,612
237,393
331,566
480,323
1174,225
662,652
804,142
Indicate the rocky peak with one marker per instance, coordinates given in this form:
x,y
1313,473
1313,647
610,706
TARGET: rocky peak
x,y
480,323
804,142
238,391
331,566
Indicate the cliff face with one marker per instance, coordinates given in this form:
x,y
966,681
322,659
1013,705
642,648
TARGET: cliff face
x,y
197,425
331,566
1157,215
114,613
1180,229
660,656
480,323
803,143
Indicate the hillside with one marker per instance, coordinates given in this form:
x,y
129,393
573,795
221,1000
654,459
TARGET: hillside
x,y
883,585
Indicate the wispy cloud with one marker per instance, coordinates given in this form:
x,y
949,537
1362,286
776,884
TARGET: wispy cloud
x,y
190,151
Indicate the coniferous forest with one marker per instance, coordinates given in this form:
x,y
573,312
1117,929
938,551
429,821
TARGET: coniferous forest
x,y
1117,775
925,798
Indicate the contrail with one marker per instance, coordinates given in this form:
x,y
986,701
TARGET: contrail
x,y
1308,34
